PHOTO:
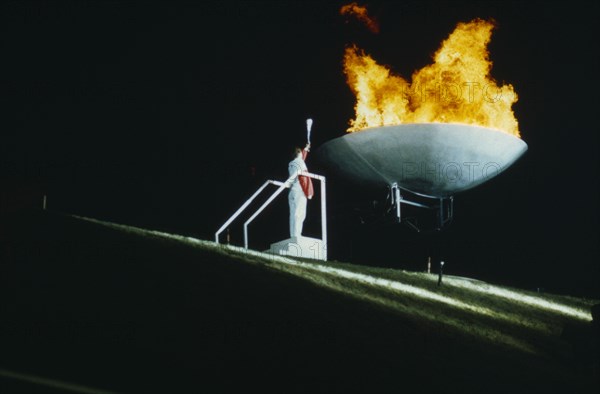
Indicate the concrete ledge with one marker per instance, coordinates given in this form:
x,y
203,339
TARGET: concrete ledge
x,y
306,247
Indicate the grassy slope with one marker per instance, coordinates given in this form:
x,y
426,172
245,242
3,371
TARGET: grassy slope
x,y
135,311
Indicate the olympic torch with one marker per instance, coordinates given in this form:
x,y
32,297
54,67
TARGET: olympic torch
x,y
309,123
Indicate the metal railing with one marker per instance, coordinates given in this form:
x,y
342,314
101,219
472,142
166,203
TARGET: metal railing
x,y
281,187
446,205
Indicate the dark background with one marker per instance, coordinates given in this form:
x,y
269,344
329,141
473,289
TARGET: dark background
x,y
169,115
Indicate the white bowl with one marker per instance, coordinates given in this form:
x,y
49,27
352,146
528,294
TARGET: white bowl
x,y
433,159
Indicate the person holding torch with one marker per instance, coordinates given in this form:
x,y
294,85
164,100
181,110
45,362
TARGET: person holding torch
x,y
301,188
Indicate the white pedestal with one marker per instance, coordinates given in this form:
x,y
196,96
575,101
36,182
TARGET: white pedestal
x,y
306,247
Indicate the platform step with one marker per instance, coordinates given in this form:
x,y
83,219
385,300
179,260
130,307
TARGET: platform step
x,y
306,247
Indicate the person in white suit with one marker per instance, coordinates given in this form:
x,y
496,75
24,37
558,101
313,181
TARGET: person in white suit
x,y
300,190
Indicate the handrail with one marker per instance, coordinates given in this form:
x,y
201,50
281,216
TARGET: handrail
x,y
264,205
244,206
281,186
279,190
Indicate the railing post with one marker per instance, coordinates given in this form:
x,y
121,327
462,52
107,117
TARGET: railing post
x,y
324,216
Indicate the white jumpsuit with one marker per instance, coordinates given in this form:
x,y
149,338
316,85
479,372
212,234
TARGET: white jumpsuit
x,y
296,198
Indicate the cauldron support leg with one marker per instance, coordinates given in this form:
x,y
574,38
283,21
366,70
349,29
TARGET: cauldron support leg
x,y
396,200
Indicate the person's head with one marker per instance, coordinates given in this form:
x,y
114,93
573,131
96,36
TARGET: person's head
x,y
296,152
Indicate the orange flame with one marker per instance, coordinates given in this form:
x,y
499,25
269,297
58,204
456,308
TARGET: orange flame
x,y
456,88
360,13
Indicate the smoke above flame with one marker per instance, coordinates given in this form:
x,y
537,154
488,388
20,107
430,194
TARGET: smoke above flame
x,y
456,88
361,14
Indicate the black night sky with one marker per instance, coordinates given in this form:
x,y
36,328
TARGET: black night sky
x,y
168,115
